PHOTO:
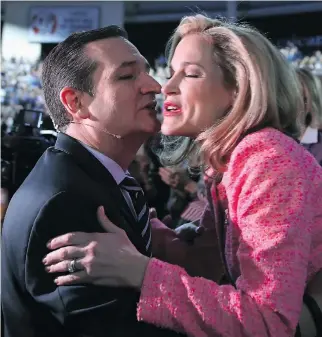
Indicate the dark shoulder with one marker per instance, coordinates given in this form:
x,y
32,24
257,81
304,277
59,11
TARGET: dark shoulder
x,y
56,183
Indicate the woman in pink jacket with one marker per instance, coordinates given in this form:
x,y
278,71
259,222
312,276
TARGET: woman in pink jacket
x,y
231,91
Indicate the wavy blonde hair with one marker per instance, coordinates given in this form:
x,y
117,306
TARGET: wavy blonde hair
x,y
312,89
267,89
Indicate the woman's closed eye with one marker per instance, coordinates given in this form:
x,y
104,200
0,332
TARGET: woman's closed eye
x,y
186,75
127,77
192,75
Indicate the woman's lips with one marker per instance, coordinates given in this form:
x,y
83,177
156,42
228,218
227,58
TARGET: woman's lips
x,y
171,109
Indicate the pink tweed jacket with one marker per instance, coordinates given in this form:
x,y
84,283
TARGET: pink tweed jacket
x,y
274,192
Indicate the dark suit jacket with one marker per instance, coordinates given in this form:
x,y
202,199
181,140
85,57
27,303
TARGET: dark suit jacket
x,y
61,195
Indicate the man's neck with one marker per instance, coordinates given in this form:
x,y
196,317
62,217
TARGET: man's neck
x,y
122,151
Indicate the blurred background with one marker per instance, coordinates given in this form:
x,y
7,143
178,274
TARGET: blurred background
x,y
30,29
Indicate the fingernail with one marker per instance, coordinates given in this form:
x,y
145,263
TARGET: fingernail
x,y
56,281
44,261
48,244
47,269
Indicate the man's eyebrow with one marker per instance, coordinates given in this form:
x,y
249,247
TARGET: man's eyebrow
x,y
147,66
126,64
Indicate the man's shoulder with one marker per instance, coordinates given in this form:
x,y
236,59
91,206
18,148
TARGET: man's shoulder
x,y
55,171
54,180
49,176
55,162
24,208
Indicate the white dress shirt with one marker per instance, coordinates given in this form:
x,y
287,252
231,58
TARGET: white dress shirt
x,y
116,171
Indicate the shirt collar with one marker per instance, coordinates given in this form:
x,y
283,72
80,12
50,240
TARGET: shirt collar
x,y
115,169
310,136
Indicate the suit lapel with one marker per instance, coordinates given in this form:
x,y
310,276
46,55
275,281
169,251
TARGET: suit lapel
x,y
115,206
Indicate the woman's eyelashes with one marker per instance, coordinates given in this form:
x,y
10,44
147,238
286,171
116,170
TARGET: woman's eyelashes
x,y
127,77
191,75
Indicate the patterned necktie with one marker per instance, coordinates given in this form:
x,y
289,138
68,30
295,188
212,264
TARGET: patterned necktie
x,y
137,198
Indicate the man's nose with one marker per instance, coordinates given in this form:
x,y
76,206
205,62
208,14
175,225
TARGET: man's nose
x,y
151,85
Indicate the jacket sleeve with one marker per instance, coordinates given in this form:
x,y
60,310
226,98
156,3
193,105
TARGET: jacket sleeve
x,y
268,198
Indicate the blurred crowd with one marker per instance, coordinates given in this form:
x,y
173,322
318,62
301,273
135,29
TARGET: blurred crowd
x,y
20,88
176,194
296,57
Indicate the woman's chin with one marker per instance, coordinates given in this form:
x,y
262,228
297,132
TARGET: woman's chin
x,y
169,130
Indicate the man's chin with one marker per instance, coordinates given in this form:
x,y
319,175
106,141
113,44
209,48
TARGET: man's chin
x,y
158,126
153,128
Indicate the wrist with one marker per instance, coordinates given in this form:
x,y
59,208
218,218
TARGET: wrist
x,y
137,275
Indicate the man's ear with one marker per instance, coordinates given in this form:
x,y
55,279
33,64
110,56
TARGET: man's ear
x,y
72,101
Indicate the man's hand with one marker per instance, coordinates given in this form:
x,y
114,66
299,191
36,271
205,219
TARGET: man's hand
x,y
188,232
169,176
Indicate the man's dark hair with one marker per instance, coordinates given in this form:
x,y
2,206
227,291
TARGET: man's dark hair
x,y
67,65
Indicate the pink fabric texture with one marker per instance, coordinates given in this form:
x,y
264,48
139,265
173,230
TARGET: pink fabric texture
x,y
274,192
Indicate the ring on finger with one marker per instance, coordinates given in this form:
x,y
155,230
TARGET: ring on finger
x,y
72,266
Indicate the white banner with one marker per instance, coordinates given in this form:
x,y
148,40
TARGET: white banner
x,y
55,24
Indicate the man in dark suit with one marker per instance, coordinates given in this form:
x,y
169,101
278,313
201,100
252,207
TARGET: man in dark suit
x,y
102,100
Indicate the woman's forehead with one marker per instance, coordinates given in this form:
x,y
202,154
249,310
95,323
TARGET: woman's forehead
x,y
193,48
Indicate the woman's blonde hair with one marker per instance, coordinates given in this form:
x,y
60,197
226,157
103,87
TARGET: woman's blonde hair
x,y
312,91
267,89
